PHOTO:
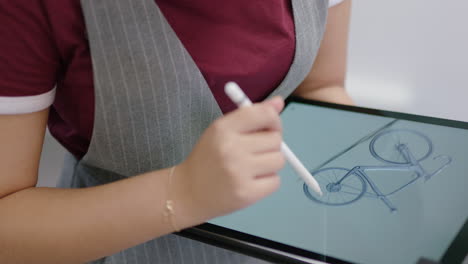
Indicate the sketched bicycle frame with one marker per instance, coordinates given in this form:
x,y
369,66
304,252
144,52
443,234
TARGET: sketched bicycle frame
x,y
400,149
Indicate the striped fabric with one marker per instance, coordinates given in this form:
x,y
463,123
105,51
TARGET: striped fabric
x,y
152,104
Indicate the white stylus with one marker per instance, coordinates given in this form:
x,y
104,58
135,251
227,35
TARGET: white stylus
x,y
235,93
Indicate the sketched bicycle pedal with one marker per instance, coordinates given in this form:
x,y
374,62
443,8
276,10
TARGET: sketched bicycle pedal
x,y
400,149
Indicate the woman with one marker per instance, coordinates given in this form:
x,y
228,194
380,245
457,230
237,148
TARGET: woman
x,y
138,104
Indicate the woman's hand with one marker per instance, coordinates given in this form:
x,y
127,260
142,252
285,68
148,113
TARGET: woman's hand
x,y
235,162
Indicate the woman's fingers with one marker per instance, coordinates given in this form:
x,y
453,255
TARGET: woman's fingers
x,y
262,141
265,185
277,102
266,163
262,116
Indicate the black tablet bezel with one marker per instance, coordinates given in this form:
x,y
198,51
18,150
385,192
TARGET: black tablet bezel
x,y
281,253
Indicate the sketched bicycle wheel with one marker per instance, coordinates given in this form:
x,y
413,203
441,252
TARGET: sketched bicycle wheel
x,y
337,189
387,146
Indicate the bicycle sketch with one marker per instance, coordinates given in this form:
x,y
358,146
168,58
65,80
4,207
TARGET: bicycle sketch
x,y
399,149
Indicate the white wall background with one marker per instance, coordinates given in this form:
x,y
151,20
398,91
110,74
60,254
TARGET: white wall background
x,y
410,56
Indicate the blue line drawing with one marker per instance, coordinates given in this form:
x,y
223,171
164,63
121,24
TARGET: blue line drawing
x,y
399,149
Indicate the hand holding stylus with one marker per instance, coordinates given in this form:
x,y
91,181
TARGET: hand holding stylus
x,y
235,93
234,163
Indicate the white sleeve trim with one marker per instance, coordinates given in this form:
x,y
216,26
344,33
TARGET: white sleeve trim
x,y
10,105
334,2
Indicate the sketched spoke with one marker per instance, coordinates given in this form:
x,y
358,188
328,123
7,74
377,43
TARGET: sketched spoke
x,y
351,187
349,190
336,177
349,193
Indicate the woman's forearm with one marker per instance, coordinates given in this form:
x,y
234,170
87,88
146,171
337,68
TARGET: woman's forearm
x,y
332,94
233,165
48,225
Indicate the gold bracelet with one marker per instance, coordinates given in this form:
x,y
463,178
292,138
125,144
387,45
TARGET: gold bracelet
x,y
169,212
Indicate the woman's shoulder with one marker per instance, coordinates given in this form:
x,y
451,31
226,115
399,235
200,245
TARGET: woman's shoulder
x,y
42,20
39,8
39,39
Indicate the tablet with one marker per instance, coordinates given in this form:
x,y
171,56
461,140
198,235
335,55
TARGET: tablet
x,y
395,190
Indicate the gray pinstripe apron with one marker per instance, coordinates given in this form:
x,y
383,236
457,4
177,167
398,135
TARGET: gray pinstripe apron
x,y
152,104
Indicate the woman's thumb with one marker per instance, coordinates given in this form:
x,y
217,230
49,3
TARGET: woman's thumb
x,y
277,102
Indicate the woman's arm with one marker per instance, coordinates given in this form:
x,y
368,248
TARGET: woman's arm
x,y
48,225
233,165
325,82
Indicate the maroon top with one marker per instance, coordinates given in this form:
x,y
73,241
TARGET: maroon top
x,y
43,44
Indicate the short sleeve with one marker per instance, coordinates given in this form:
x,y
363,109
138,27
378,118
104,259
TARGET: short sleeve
x,y
29,60
332,3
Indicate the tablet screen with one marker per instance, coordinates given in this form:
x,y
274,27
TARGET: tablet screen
x,y
395,190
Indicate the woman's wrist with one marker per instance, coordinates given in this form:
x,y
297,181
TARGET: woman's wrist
x,y
186,211
333,94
